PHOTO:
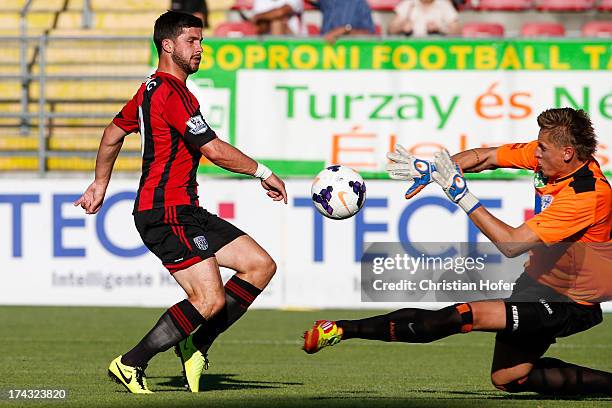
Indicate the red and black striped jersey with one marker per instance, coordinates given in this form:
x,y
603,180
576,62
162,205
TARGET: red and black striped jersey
x,y
172,130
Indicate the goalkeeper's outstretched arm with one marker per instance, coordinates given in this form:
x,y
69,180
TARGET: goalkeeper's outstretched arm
x,y
477,160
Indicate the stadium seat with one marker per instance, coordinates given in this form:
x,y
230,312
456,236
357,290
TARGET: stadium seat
x,y
116,19
504,5
91,143
100,53
243,5
12,5
383,5
46,5
27,143
565,5
482,30
248,4
10,90
597,29
235,29
23,163
543,30
218,5
605,5
313,30
80,163
131,5
87,90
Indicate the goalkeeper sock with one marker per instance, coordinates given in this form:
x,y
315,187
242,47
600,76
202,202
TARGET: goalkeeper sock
x,y
239,295
553,376
173,326
411,325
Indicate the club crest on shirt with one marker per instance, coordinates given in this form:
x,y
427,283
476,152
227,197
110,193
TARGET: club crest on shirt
x,y
196,125
201,242
547,200
539,180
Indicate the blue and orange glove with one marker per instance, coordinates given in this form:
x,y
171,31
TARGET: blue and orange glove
x,y
450,177
405,166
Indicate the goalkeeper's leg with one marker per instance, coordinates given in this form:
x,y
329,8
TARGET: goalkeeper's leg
x,y
412,325
517,368
532,327
418,325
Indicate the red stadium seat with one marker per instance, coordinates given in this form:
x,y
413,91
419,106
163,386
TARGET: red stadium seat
x,y
505,5
597,29
565,5
482,30
543,30
232,29
383,5
243,5
248,4
313,30
605,5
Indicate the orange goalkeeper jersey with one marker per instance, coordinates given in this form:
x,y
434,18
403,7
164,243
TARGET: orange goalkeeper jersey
x,y
572,209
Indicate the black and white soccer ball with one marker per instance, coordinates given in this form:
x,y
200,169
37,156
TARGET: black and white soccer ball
x,y
338,192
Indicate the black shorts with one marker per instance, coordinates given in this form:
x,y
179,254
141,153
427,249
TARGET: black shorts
x,y
536,315
183,235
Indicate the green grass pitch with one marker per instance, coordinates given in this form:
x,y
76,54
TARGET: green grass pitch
x,y
259,363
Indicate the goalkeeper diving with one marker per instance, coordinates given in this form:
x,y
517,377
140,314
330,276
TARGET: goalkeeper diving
x,y
550,300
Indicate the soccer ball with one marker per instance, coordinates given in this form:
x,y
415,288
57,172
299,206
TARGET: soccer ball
x,y
338,192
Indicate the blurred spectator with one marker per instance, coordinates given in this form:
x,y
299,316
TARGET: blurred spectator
x,y
345,17
278,17
425,17
198,8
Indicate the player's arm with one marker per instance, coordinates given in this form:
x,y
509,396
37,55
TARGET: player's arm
x,y
195,131
275,14
477,160
509,240
110,146
230,158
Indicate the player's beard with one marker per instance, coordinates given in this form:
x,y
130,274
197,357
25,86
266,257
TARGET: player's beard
x,y
184,64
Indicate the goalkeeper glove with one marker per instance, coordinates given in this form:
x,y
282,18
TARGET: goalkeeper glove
x,y
450,177
405,166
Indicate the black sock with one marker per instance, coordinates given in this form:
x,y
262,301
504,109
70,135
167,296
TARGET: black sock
x,y
553,376
174,325
411,325
239,294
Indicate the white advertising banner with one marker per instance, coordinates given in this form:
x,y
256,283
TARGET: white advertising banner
x,y
355,117
54,254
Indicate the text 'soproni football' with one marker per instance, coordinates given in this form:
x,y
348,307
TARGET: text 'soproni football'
x,y
338,192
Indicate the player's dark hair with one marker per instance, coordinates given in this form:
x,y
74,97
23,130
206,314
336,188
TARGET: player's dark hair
x,y
170,25
570,127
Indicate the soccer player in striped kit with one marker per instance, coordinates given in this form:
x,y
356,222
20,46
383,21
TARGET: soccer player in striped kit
x,y
190,242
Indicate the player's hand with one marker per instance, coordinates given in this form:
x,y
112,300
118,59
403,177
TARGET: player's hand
x,y
275,187
405,166
432,27
449,176
92,198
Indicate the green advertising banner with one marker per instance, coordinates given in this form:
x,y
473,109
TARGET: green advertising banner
x,y
300,104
